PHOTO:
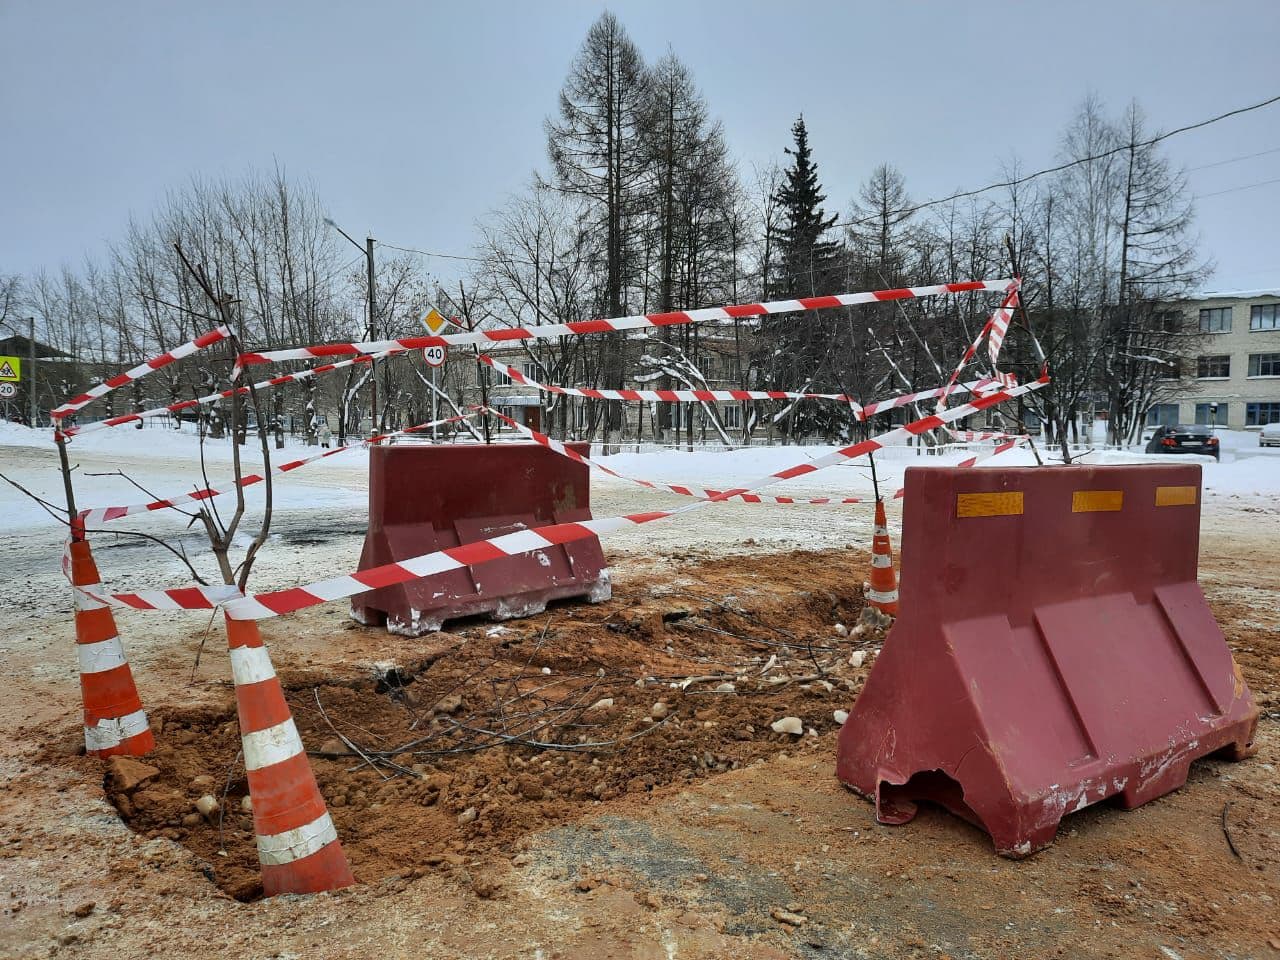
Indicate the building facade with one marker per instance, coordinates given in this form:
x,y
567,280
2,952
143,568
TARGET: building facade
x,y
1231,372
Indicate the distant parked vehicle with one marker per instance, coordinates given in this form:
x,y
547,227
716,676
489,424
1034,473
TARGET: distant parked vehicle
x,y
1270,435
1184,438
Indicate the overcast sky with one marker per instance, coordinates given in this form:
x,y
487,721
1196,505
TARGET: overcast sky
x,y
415,119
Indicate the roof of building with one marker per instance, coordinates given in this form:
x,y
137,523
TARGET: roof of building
x,y
1237,294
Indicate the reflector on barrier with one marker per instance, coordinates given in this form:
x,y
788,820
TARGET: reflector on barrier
x,y
1055,650
426,498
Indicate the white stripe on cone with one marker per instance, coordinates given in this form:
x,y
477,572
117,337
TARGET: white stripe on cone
x,y
264,748
251,665
112,732
885,596
86,602
101,656
881,560
310,838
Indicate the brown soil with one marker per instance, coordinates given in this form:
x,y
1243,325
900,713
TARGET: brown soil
x,y
705,835
538,681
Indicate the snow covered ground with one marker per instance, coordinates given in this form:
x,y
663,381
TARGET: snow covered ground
x,y
319,510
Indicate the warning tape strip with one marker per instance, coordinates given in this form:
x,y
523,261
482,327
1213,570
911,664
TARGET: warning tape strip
x,y
684,490
95,516
611,325
860,411
140,371
275,603
1004,311
220,395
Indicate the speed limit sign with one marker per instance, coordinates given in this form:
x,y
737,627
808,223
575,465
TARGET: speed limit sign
x,y
8,390
435,355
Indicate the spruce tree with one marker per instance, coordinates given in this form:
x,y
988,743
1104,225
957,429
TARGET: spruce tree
x,y
809,263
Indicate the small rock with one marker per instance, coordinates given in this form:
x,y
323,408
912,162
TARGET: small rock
x,y
841,716
449,704
192,820
201,784
787,917
599,789
529,787
333,747
486,888
585,885
726,688
659,710
791,725
84,909
603,704
467,816
857,658
126,774
207,805
246,803
842,629
546,671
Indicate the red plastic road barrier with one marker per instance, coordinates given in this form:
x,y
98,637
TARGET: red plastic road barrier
x,y
1085,666
430,498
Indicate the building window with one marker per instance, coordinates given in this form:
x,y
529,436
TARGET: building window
x,y
1264,364
1163,415
1168,370
1215,320
1264,316
1212,413
1170,321
732,416
500,379
1217,366
1260,414
529,369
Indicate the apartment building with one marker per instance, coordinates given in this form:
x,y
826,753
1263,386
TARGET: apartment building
x,y
1231,374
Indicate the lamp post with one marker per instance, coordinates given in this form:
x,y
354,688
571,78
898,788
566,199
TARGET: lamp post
x,y
367,250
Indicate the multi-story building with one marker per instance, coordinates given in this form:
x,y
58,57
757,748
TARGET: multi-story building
x,y
1231,375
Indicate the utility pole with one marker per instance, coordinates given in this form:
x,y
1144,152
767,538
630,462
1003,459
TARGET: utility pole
x,y
31,374
373,335
367,250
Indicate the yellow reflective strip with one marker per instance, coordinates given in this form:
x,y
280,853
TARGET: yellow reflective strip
x,y
1097,501
1175,496
989,504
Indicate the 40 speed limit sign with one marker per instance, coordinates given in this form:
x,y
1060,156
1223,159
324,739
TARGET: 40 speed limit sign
x,y
435,355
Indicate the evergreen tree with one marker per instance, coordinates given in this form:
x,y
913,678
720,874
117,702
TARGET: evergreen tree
x,y
809,263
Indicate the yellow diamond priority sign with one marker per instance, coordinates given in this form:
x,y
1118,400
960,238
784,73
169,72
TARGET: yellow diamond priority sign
x,y
433,321
10,369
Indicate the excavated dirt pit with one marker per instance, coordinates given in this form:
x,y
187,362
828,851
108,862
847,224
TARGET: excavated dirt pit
x,y
500,731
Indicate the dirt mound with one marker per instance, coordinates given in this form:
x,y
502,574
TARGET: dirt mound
x,y
508,729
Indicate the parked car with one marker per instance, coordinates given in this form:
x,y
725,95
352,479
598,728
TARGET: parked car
x,y
1184,438
1270,435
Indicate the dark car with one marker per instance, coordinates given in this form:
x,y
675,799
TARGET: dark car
x,y
1184,438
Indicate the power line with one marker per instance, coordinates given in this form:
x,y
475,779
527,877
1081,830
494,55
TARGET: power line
x,y
442,256
1018,181
1221,163
1247,186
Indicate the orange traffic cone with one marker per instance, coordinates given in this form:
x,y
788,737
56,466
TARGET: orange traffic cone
x,y
114,721
883,594
297,843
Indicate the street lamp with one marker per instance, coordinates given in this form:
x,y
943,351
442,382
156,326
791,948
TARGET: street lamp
x,y
367,250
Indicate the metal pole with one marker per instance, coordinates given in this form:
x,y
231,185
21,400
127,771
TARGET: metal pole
x,y
373,332
31,386
435,404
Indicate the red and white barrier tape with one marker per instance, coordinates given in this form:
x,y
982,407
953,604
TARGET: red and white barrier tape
x,y
275,603
860,411
611,325
96,516
684,490
1002,313
140,371
220,395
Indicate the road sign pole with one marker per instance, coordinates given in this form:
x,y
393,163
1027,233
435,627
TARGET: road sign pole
x,y
31,374
435,404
